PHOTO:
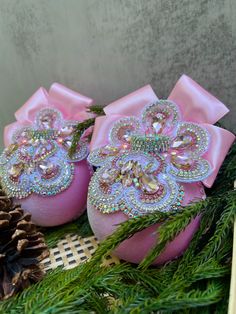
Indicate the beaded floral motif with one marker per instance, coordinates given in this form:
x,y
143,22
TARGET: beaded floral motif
x,y
148,158
37,161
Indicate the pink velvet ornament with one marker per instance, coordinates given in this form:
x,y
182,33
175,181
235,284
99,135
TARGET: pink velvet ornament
x,y
35,167
191,108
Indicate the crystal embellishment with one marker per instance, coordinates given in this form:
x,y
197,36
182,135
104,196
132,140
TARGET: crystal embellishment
x,y
143,168
37,161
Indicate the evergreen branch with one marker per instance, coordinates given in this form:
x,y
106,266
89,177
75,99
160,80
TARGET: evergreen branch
x,y
198,282
98,110
79,130
181,300
171,228
126,230
192,264
223,228
210,269
82,126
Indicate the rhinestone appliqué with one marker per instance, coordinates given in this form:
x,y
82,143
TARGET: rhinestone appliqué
x,y
147,159
37,161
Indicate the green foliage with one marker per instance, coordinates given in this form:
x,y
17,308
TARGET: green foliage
x,y
198,282
82,126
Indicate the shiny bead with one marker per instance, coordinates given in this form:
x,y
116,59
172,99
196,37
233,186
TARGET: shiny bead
x,y
15,170
158,127
149,183
109,175
182,141
137,170
126,167
47,168
181,161
127,180
67,143
47,120
66,130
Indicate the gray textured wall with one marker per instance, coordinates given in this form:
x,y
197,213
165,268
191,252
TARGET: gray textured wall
x,y
107,48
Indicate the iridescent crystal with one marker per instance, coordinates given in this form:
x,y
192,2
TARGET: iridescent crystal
x,y
109,176
10,149
66,130
160,116
47,120
137,169
181,161
182,141
127,180
158,127
47,168
15,170
127,135
67,143
149,184
127,167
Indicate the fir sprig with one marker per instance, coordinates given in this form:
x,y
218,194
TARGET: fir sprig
x,y
79,130
126,230
198,282
82,126
171,228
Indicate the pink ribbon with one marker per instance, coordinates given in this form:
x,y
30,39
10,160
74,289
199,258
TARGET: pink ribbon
x,y
72,105
195,104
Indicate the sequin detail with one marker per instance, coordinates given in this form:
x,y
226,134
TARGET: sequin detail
x,y
37,161
147,159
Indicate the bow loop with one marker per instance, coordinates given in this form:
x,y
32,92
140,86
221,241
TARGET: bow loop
x,y
132,104
195,103
73,105
36,102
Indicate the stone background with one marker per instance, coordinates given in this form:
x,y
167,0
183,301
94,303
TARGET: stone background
x,y
107,48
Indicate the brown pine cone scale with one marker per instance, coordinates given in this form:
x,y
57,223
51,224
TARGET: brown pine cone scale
x,y
22,248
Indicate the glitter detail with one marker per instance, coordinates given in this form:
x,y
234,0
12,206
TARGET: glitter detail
x,y
147,159
123,129
160,116
195,138
150,143
37,161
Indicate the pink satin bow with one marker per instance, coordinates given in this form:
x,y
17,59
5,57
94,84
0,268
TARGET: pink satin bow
x,y
72,105
195,104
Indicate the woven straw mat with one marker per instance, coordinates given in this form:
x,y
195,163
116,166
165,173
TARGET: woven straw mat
x,y
73,250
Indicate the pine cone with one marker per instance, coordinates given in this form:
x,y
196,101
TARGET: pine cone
x,y
22,247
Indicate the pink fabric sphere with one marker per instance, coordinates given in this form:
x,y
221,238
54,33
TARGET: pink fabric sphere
x,y
195,105
59,209
136,248
70,107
